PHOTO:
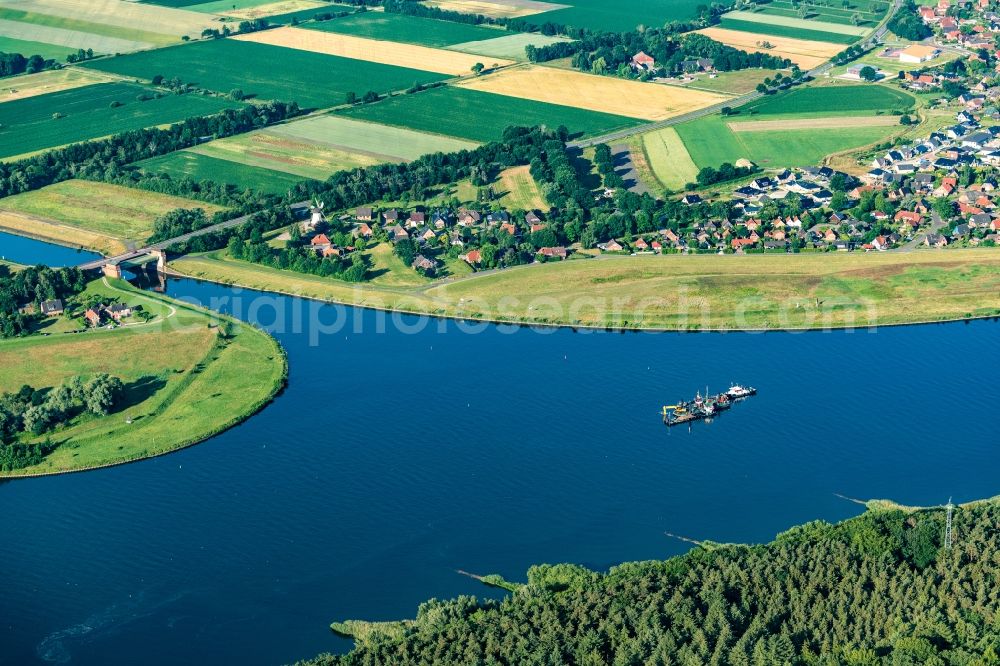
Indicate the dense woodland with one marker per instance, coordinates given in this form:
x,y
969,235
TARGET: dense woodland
x,y
12,64
907,23
32,286
873,590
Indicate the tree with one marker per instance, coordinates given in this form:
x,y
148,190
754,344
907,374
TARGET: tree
x,y
103,392
868,73
478,68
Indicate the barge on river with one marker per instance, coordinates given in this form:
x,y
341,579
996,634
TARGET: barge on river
x,y
705,407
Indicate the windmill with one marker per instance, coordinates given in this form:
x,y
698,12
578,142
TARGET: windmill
x,y
316,211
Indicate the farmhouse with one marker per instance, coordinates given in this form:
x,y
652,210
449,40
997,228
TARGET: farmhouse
x,y
364,214
52,308
643,61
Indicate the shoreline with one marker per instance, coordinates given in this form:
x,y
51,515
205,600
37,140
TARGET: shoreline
x,y
277,389
171,272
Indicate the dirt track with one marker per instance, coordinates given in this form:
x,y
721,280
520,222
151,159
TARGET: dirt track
x,y
836,122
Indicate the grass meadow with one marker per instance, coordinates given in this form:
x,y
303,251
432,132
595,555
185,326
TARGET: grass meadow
x,y
709,142
407,29
29,48
32,124
831,100
100,36
188,164
676,292
184,381
266,72
481,116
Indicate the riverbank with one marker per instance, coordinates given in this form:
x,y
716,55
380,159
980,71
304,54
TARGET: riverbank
x,y
189,374
802,597
672,292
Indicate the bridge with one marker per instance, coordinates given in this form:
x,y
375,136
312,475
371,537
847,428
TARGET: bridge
x,y
161,246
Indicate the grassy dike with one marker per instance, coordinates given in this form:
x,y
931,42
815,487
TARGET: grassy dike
x,y
671,292
189,374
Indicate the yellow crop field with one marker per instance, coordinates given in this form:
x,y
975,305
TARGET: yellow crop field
x,y
836,122
803,52
273,9
497,8
50,81
373,50
648,101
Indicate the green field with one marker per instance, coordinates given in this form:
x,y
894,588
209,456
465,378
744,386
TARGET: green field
x,y
117,212
186,164
511,46
29,48
29,125
267,72
710,142
618,16
754,291
481,116
831,100
786,31
184,382
407,29
828,13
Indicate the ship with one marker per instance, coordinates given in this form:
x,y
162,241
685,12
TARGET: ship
x,y
705,407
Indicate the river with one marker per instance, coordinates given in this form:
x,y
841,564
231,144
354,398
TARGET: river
x,y
396,457
29,251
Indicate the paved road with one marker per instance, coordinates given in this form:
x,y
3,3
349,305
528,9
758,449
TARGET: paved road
x,y
936,225
625,167
163,245
620,135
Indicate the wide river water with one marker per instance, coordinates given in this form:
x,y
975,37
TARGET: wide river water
x,y
397,456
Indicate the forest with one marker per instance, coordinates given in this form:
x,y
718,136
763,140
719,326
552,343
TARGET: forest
x,y
15,63
907,23
879,589
31,286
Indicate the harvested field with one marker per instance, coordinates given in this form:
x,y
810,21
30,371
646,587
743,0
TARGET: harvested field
x,y
132,15
110,211
510,46
411,56
379,141
273,9
88,29
790,22
496,8
318,147
70,38
42,83
598,93
837,122
64,234
519,190
772,30
806,54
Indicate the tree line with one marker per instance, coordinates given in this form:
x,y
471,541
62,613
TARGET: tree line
x,y
875,590
32,286
12,64
106,159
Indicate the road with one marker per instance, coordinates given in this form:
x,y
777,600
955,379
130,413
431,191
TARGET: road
x,y
936,225
877,35
163,245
